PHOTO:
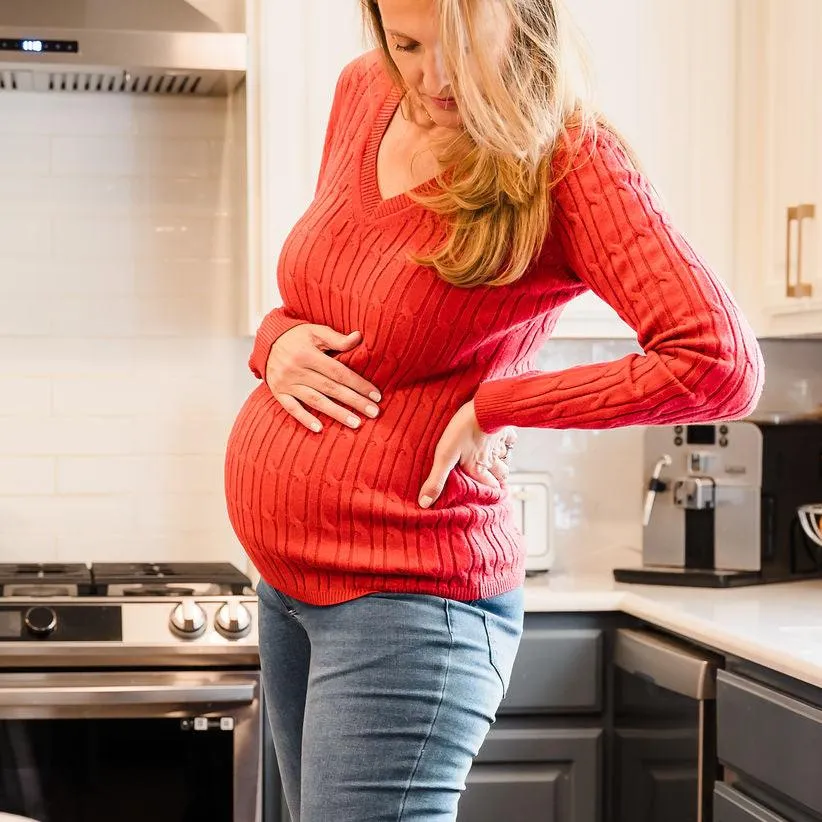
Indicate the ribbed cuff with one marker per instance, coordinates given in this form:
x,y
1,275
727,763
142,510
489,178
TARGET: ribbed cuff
x,y
274,325
492,405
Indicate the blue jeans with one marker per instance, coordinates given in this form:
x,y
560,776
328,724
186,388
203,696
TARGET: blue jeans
x,y
379,705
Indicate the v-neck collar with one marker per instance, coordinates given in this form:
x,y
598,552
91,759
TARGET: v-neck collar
x,y
372,202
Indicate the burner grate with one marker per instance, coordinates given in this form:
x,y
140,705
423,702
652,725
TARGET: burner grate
x,y
173,574
48,574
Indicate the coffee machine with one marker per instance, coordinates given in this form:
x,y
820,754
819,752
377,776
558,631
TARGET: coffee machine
x,y
721,503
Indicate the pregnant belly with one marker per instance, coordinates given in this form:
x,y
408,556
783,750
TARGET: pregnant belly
x,y
284,483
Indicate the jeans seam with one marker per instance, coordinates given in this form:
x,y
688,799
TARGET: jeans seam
x,y
492,653
436,713
290,612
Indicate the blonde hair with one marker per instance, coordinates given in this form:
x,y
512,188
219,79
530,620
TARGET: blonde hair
x,y
518,108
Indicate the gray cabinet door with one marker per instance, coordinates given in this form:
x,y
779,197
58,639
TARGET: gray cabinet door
x,y
558,670
656,774
526,773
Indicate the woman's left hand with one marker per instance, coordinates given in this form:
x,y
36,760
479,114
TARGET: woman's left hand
x,y
482,456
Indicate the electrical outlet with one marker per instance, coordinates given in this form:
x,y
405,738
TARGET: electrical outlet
x,y
532,502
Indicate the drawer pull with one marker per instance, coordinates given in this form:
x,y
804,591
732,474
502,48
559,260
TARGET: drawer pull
x,y
806,211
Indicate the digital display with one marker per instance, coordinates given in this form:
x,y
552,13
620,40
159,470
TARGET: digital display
x,y
701,435
33,45
11,624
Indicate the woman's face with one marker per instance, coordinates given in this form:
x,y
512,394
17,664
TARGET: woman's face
x,y
413,35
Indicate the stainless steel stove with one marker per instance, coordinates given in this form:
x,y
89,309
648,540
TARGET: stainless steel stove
x,y
118,676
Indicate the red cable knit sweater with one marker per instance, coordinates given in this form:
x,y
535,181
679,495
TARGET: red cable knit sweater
x,y
328,517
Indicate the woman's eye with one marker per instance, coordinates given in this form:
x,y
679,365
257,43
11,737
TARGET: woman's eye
x,y
401,47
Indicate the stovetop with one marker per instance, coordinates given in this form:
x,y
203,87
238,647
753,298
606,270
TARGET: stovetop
x,y
132,614
49,580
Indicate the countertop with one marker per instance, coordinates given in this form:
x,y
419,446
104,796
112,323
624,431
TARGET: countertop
x,y
777,625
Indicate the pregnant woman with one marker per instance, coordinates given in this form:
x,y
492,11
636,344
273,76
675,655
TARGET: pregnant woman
x,y
466,193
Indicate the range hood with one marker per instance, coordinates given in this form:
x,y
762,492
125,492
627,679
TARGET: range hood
x,y
172,47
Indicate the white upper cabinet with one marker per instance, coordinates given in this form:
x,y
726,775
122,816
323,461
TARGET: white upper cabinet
x,y
664,75
779,231
297,52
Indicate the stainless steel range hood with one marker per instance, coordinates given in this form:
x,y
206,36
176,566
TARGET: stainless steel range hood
x,y
177,47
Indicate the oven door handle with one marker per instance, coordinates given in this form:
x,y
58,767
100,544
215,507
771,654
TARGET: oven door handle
x,y
136,694
667,664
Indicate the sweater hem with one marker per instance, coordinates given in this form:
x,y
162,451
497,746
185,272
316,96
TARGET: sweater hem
x,y
464,593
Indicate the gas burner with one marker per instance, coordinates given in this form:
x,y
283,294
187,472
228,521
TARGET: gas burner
x,y
156,591
35,591
136,579
44,580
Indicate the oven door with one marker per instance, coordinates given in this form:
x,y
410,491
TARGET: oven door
x,y
135,747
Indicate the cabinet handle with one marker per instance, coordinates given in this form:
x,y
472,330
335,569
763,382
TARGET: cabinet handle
x,y
797,213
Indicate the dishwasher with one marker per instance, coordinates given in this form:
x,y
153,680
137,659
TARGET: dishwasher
x,y
664,734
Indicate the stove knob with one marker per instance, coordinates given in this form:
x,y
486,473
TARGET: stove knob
x,y
40,621
233,620
188,619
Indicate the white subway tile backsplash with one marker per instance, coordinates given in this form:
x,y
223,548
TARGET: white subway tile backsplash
x,y
171,397
88,114
29,476
78,156
128,238
64,277
49,515
24,546
194,118
196,313
57,196
214,281
54,436
181,512
190,474
24,395
24,235
24,155
192,196
167,546
191,434
23,113
120,366
23,316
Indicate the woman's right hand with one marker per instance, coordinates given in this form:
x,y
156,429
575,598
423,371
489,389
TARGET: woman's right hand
x,y
302,376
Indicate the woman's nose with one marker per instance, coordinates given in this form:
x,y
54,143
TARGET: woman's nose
x,y
435,80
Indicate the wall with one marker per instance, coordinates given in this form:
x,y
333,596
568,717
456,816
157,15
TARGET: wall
x,y
120,368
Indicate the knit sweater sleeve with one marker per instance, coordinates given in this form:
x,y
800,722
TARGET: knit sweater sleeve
x,y
279,320
700,360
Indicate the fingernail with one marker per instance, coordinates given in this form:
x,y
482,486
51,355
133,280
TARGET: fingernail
x,y
425,502
372,410
353,422
375,395
316,427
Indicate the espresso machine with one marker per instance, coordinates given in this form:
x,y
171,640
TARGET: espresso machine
x,y
734,503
